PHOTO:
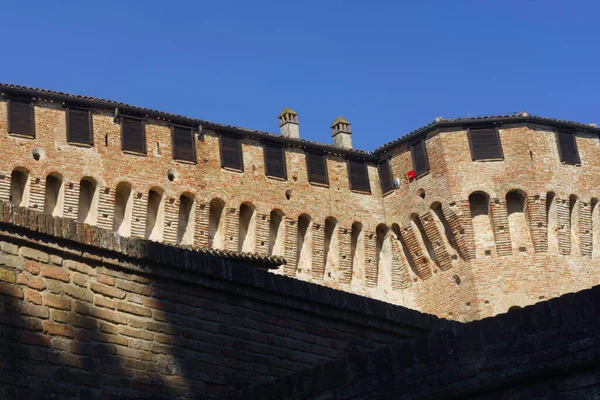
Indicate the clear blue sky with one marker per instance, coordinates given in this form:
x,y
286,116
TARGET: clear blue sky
x,y
388,67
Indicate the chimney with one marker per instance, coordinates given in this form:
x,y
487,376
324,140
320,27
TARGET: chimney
x,y
288,123
340,130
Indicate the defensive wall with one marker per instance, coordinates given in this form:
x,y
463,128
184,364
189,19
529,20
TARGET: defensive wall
x,y
545,351
464,238
86,313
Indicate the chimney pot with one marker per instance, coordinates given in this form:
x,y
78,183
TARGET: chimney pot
x,y
341,132
288,123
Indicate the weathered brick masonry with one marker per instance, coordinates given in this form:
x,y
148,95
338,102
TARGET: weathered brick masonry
x,y
464,240
85,312
124,273
546,351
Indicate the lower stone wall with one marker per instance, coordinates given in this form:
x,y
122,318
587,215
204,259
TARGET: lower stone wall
x,y
546,351
80,320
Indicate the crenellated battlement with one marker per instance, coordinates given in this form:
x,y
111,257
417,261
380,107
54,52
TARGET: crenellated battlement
x,y
457,219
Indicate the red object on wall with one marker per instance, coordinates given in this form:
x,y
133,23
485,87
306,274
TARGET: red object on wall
x,y
411,175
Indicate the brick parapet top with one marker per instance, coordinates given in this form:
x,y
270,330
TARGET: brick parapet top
x,y
65,234
439,123
70,229
533,343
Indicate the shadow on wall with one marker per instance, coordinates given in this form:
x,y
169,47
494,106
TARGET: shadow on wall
x,y
96,326
79,361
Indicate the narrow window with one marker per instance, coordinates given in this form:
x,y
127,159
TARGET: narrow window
x,y
384,257
304,243
385,176
231,153
88,201
316,164
595,228
567,148
184,146
485,144
185,227
359,176
276,234
275,161
216,224
482,223
53,196
420,161
574,220
19,188
247,228
21,117
518,224
79,126
155,216
357,251
332,249
133,135
552,222
123,209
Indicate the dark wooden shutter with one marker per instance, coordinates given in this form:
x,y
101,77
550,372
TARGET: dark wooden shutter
x,y
419,158
184,147
316,164
359,177
79,126
275,161
20,117
567,148
385,176
231,153
133,137
485,144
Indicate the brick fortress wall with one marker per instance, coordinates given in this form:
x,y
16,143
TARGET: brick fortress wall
x,y
455,242
545,351
85,312
533,232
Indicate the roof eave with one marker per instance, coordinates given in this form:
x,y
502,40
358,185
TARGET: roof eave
x,y
179,119
483,122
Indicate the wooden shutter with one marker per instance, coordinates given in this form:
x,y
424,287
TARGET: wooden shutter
x,y
567,148
359,177
419,158
231,153
275,161
20,117
316,164
133,137
184,146
385,176
485,144
79,126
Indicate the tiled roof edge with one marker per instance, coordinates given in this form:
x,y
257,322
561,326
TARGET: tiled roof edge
x,y
521,117
223,128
